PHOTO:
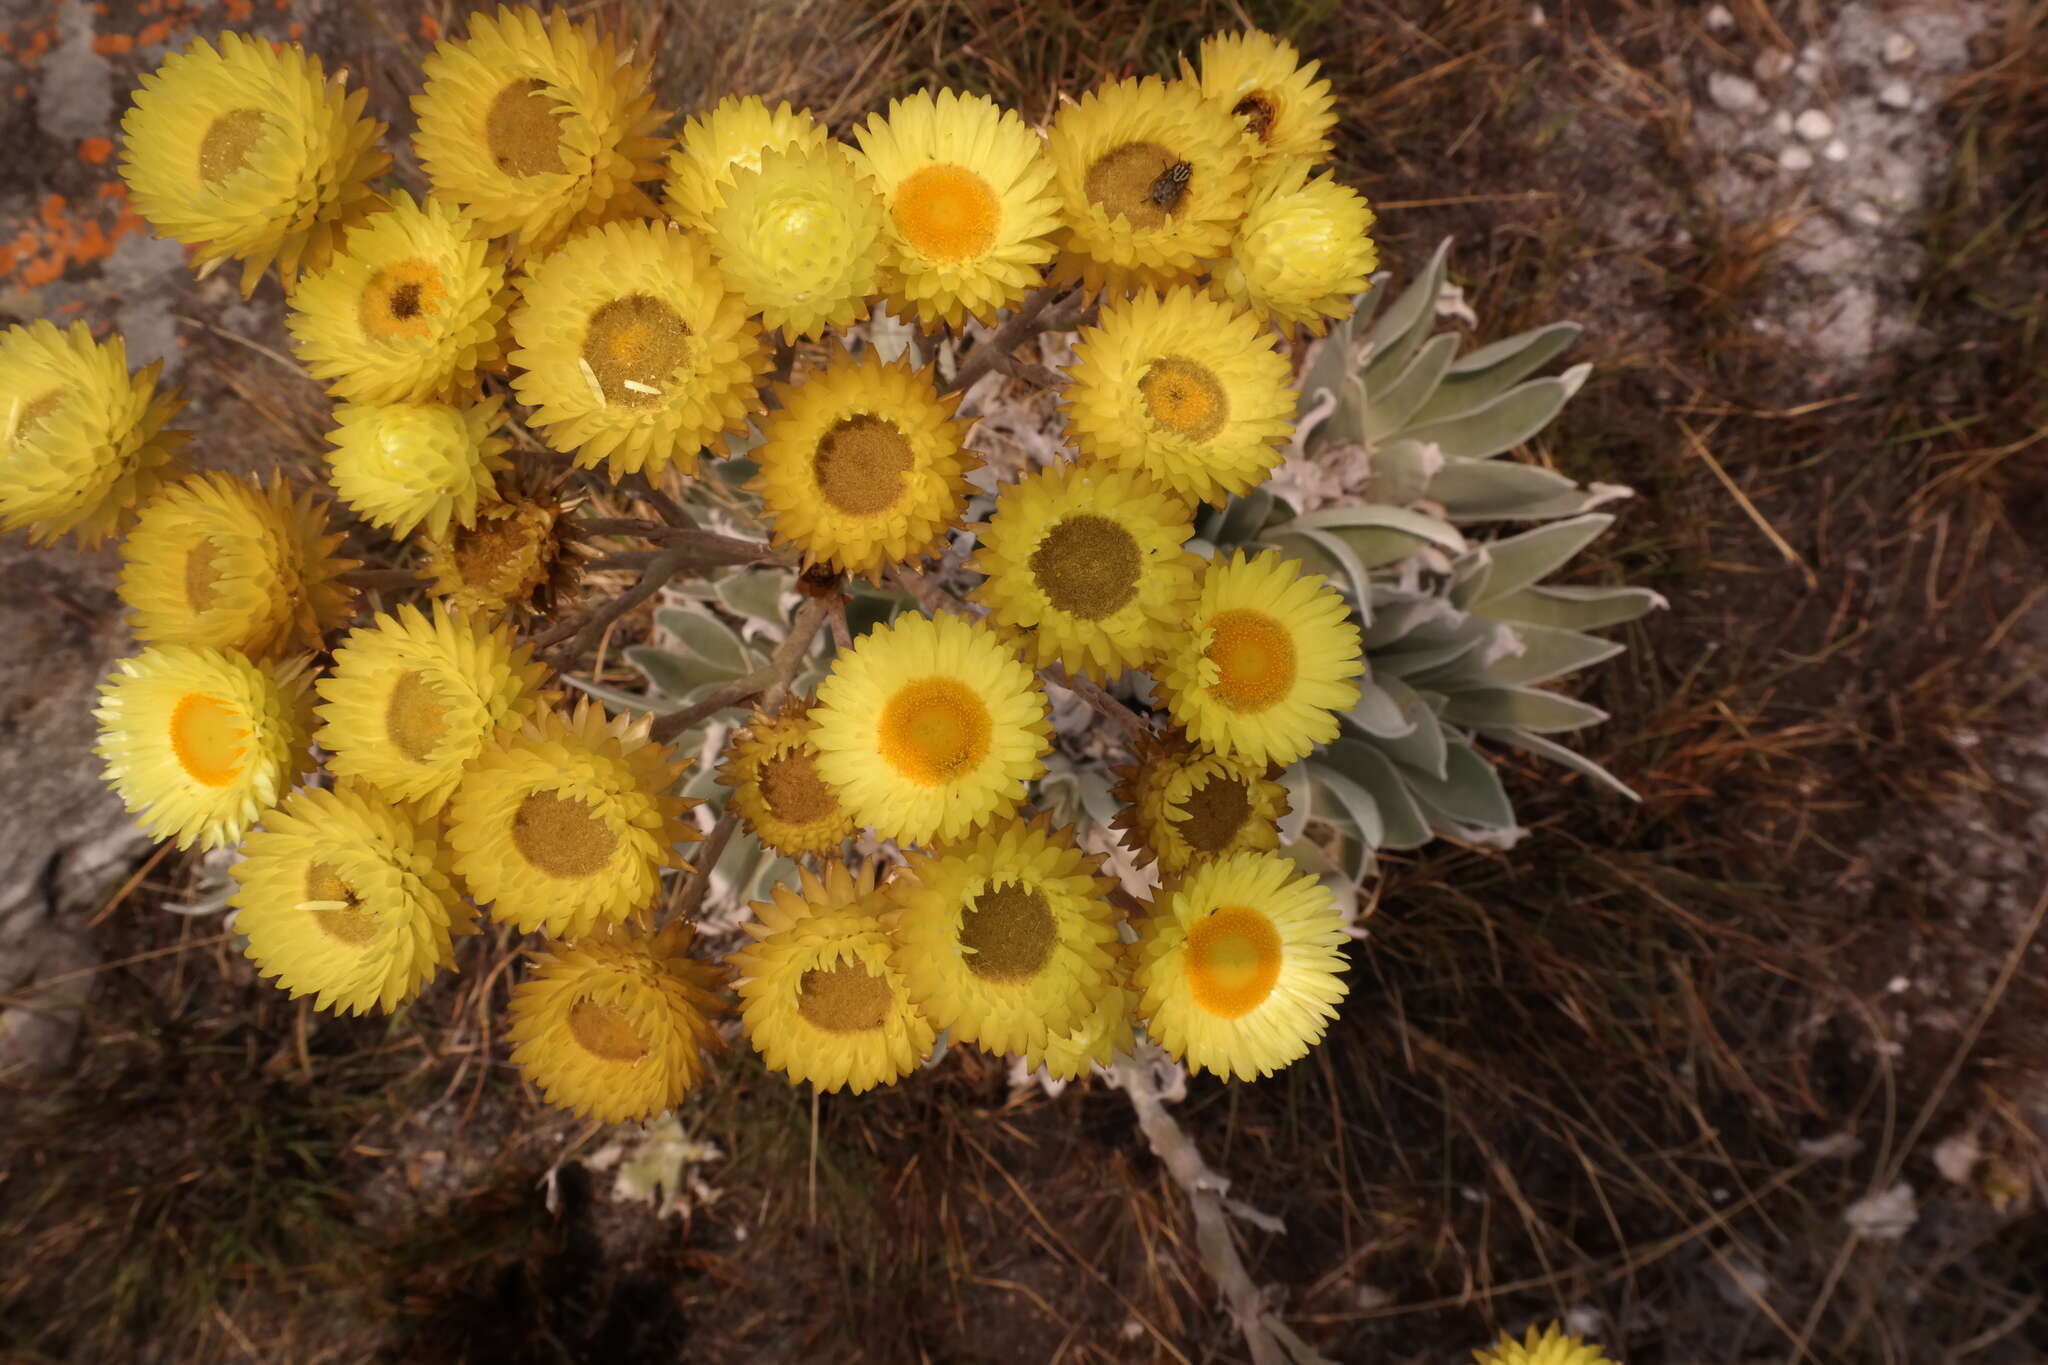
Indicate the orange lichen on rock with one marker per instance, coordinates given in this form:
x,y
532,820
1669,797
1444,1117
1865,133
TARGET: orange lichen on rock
x,y
45,247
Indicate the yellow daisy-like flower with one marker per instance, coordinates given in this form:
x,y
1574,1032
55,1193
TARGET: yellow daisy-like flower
x,y
1286,113
537,127
509,561
1182,804
250,152
1006,940
1151,180
411,702
929,726
1302,252
616,1027
633,351
863,464
213,560
1238,965
409,309
200,742
1085,568
731,137
819,997
402,465
343,898
971,210
1269,660
1102,1035
568,825
1186,388
800,239
772,768
82,441
1552,1347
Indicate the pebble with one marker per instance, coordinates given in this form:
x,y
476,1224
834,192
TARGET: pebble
x,y
1870,215
1795,158
1898,48
1896,95
1814,125
1772,64
1718,19
1836,150
1731,92
1781,123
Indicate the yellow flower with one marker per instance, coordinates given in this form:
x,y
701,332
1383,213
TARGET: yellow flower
x,y
1102,1035
800,239
343,898
409,309
1286,113
616,1027
1006,940
568,825
1085,568
537,127
1187,389
1151,180
1553,1347
81,440
1301,253
632,350
215,561
970,205
199,743
930,726
772,768
402,465
819,997
509,561
1182,804
410,702
1237,965
715,146
862,464
250,153
1269,660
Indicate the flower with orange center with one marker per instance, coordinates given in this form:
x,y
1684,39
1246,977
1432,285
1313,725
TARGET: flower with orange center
x,y
772,768
617,1026
820,998
1269,661
1238,965
929,726
342,897
1187,389
1151,178
199,742
863,464
971,211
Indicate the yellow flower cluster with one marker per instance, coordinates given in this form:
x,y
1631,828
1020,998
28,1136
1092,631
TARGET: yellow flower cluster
x,y
568,272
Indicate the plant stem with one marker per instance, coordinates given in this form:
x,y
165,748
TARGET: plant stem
x,y
1028,321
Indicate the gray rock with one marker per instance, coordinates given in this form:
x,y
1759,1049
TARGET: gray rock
x,y
1731,92
38,1035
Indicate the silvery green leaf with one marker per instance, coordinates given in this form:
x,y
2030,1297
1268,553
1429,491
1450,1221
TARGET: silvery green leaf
x,y
1573,503
1520,708
1338,798
772,871
1469,792
1342,882
1521,560
1098,798
1402,471
744,443
1394,621
1423,746
1365,304
1295,780
707,639
1570,758
703,785
1504,423
1419,658
868,607
1483,375
1575,608
1550,653
1379,713
1495,490
1419,525
1394,402
671,673
755,592
1402,823
610,696
739,469
1469,577
1351,579
1405,323
1243,517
